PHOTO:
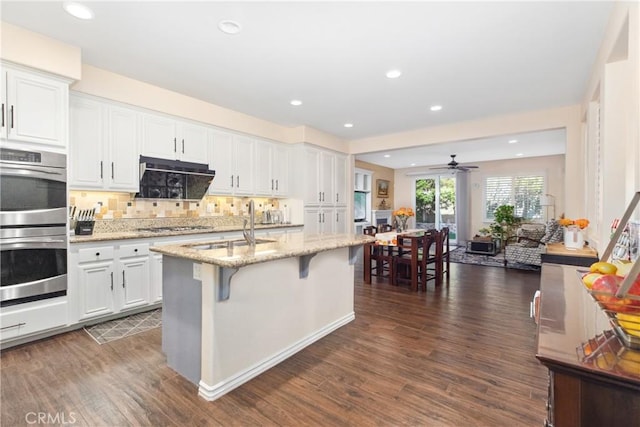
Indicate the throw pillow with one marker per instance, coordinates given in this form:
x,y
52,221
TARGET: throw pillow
x,y
535,234
553,232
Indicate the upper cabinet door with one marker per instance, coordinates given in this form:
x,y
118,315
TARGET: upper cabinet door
x,y
159,137
86,144
280,169
221,160
264,180
327,161
193,143
244,165
123,168
36,108
340,180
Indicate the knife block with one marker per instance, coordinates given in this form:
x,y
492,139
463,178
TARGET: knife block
x,y
84,228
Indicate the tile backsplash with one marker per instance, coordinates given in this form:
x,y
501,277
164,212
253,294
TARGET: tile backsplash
x,y
124,205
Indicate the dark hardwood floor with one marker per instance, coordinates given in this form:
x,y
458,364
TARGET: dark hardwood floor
x,y
460,355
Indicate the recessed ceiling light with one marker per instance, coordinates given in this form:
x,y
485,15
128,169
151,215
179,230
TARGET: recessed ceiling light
x,y
519,155
394,74
348,125
513,141
296,102
78,10
387,156
413,164
436,107
229,27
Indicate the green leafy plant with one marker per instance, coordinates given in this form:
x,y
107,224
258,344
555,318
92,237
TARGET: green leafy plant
x,y
505,223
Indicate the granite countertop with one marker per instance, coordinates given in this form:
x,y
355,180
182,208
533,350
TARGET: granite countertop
x,y
162,231
267,249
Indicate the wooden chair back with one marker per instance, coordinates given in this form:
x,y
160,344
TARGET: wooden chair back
x,y
385,228
370,230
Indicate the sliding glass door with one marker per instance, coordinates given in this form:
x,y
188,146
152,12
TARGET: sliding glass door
x,y
435,203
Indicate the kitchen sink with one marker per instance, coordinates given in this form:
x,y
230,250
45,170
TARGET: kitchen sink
x,y
227,244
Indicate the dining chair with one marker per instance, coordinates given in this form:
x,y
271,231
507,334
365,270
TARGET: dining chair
x,y
380,260
370,230
446,251
385,228
411,263
443,262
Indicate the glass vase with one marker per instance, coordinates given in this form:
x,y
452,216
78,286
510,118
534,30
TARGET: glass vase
x,y
402,223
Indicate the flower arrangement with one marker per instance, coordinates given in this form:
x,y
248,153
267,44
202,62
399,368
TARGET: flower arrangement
x,y
573,236
402,215
581,223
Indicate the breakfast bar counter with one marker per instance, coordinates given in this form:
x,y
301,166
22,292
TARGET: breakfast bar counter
x,y
232,311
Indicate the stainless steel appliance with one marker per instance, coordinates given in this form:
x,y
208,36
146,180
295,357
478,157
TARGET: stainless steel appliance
x,y
173,179
33,232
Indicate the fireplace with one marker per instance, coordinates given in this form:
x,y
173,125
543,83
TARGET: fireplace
x,y
381,217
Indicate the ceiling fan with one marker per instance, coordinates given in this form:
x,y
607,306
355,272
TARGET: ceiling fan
x,y
455,166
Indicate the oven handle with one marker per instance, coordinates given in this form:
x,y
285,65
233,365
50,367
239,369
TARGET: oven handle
x,y
20,170
33,242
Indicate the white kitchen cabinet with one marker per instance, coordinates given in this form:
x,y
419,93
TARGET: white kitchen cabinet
x,y
134,275
34,107
232,157
103,146
95,270
122,150
340,180
21,320
109,278
319,220
167,138
272,169
325,175
155,290
340,220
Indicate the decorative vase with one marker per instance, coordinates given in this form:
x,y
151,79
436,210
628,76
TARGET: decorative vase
x,y
402,223
573,238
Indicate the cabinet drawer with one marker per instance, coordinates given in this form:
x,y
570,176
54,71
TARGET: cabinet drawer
x,y
95,254
34,317
140,249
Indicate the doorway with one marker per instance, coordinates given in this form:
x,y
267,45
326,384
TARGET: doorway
x,y
435,203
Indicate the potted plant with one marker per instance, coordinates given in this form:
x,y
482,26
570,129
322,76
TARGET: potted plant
x,y
505,223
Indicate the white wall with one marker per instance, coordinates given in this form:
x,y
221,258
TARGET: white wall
x,y
615,86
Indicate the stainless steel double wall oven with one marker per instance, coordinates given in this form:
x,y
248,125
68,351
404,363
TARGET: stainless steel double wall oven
x,y
33,231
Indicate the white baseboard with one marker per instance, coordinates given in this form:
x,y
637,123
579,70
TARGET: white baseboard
x,y
212,392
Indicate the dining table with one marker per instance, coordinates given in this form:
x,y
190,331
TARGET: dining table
x,y
389,243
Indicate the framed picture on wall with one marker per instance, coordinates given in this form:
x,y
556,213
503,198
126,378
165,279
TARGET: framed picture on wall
x,y
382,186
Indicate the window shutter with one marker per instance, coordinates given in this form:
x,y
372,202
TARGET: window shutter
x,y
498,190
523,192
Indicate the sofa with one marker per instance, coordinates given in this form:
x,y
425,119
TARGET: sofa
x,y
529,242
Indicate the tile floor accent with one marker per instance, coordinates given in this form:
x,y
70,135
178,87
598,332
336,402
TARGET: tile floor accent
x,y
112,330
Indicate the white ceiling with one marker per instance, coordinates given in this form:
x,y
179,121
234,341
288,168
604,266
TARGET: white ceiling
x,y
533,144
476,59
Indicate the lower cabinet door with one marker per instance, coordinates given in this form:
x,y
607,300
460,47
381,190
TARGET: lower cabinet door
x,y
155,287
96,289
134,282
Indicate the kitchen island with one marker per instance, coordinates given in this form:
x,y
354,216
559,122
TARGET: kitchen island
x,y
232,311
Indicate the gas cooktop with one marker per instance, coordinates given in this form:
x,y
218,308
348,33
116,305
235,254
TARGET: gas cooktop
x,y
178,228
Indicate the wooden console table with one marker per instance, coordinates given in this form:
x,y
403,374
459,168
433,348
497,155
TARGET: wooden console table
x,y
557,253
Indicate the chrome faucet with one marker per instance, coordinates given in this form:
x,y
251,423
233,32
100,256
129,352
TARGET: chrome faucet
x,y
250,236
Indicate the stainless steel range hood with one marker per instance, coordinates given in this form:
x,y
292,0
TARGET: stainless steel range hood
x,y
173,179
